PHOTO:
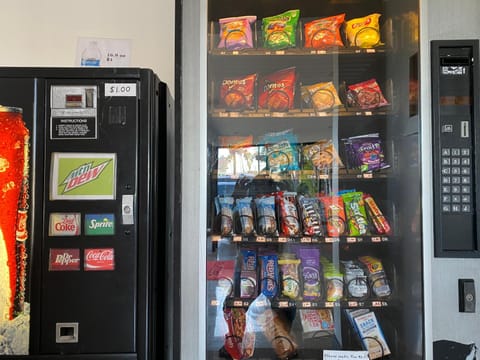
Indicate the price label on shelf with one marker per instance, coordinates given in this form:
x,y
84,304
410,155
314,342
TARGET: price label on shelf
x,y
238,303
353,304
216,237
306,239
367,175
331,239
351,239
376,303
261,239
306,304
237,238
376,239
282,239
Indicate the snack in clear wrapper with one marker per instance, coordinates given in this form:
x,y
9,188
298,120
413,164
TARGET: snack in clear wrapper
x,y
312,215
356,282
289,220
335,215
243,208
322,154
364,32
276,91
280,31
266,216
376,276
276,330
237,93
224,207
333,280
324,33
366,94
356,213
236,32
289,276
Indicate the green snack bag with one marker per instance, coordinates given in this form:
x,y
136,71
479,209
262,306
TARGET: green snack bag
x,y
356,213
279,31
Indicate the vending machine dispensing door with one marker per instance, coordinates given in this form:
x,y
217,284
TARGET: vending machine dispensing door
x,y
456,147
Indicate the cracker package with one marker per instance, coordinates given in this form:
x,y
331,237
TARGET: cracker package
x,y
322,96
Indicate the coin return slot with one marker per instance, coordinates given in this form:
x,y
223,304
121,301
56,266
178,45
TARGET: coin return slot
x,y
67,333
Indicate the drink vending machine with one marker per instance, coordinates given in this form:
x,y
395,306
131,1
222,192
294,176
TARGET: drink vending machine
x,y
81,228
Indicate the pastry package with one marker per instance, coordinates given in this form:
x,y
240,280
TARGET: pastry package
x,y
317,322
236,32
266,215
237,93
333,280
280,31
356,282
276,91
224,208
235,319
364,31
322,96
244,213
324,33
366,94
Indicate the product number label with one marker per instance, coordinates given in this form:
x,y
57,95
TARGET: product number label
x,y
120,89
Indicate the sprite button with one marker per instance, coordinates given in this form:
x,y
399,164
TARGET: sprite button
x,y
99,224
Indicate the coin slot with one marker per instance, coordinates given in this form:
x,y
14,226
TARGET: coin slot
x,y
67,332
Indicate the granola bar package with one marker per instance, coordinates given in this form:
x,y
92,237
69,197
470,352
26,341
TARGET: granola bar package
x,y
224,206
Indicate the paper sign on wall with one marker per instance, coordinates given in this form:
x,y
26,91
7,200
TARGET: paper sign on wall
x,y
344,355
98,52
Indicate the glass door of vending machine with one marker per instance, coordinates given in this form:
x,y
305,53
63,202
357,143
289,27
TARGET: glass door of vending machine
x,y
312,237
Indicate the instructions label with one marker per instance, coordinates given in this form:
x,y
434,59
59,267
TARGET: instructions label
x,y
344,355
79,127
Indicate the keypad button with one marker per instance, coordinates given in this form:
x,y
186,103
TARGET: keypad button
x,y
456,198
446,161
455,152
446,189
466,189
445,151
456,161
465,152
465,161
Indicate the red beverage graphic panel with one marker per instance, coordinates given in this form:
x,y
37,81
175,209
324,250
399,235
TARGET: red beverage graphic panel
x,y
14,186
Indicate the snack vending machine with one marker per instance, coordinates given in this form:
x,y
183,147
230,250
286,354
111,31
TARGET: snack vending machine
x,y
313,243
81,226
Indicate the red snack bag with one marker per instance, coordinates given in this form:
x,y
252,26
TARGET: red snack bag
x,y
276,91
367,94
235,319
335,215
324,33
237,93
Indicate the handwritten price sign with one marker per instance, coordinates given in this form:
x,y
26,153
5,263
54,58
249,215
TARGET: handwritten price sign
x,y
344,355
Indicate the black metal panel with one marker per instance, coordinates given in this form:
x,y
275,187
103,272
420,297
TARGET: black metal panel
x,y
455,98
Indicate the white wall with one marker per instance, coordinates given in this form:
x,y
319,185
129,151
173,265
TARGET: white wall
x,y
451,20
45,32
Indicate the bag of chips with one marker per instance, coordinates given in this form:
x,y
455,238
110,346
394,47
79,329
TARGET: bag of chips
x,y
322,154
324,33
280,31
236,32
322,96
365,152
237,93
364,32
276,91
366,94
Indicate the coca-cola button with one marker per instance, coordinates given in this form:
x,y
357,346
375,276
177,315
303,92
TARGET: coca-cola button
x,y
100,259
